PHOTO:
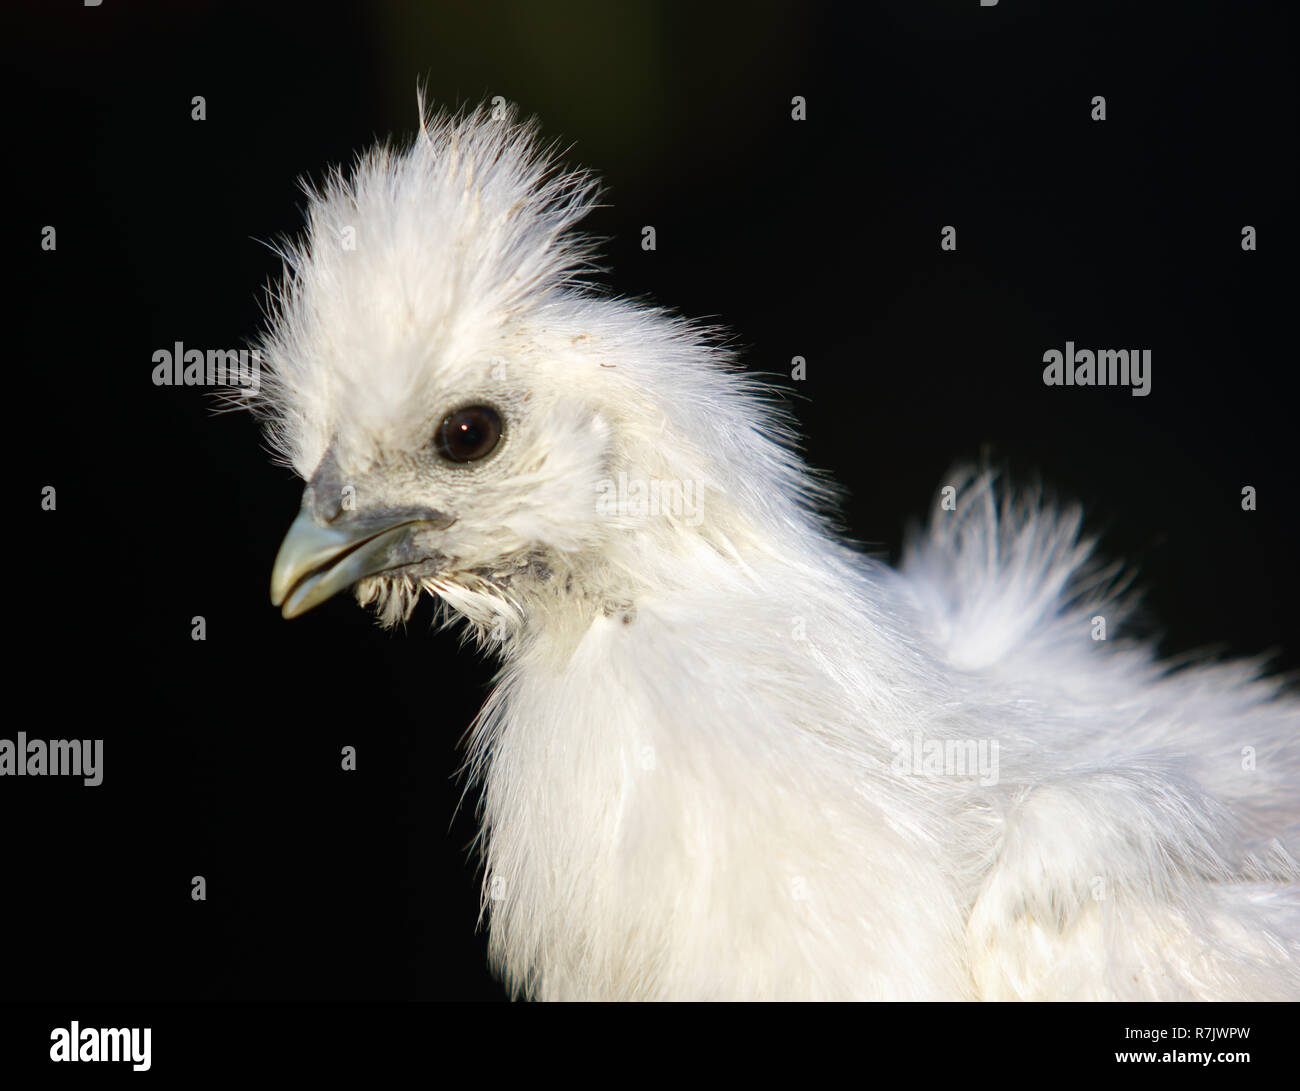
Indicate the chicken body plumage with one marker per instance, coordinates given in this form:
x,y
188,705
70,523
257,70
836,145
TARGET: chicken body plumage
x,y
728,756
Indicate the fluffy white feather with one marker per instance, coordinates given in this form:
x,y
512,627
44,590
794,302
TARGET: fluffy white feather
x,y
697,765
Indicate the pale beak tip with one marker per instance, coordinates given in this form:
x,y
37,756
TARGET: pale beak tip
x,y
317,562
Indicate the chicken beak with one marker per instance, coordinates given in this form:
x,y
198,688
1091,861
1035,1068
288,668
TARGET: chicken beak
x,y
317,562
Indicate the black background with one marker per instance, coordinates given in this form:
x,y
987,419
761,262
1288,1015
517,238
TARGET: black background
x,y
818,239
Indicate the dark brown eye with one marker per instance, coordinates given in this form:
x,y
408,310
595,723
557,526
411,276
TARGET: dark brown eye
x,y
468,434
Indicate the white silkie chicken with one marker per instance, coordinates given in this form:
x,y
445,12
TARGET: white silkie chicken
x,y
728,757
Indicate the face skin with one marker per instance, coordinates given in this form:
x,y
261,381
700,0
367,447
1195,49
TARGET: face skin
x,y
481,497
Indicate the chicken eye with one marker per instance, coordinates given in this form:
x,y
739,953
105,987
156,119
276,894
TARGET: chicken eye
x,y
468,434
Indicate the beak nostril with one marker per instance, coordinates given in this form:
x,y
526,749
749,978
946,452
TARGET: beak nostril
x,y
320,505
324,494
